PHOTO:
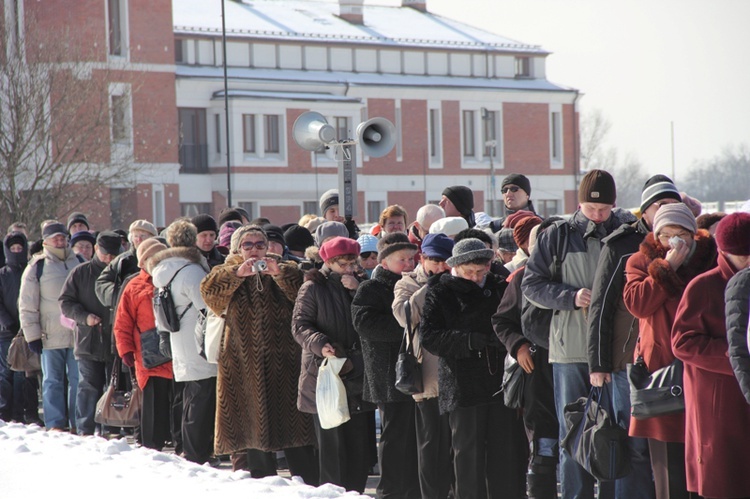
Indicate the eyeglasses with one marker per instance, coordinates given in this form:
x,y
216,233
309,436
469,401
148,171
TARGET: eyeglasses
x,y
512,188
260,245
368,254
346,264
667,237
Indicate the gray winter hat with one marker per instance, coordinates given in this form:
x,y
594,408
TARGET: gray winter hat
x,y
467,250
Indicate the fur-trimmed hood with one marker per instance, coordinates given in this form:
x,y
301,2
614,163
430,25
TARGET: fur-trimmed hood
x,y
312,253
702,259
191,254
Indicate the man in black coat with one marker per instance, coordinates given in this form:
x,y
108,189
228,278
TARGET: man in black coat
x,y
208,231
93,329
489,445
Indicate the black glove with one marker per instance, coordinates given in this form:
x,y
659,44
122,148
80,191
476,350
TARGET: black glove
x,y
352,227
478,341
36,346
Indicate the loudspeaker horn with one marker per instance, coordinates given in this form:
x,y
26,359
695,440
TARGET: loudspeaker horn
x,y
312,132
377,136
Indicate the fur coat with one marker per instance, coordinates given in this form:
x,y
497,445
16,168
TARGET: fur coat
x,y
259,361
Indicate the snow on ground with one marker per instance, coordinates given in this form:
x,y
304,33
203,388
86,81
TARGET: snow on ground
x,y
37,463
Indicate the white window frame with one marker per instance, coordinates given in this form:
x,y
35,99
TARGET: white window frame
x,y
556,137
123,147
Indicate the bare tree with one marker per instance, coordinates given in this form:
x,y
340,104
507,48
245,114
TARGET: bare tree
x,y
64,137
725,177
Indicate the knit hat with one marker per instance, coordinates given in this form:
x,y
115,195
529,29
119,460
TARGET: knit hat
x,y
228,214
467,250
462,198
204,222
82,235
144,225
226,231
523,228
338,246
147,249
275,234
505,240
367,243
109,242
656,188
393,242
597,186
15,238
240,233
692,203
706,220
733,234
450,226
329,229
182,234
674,214
54,229
78,217
298,238
517,179
514,218
328,199
437,246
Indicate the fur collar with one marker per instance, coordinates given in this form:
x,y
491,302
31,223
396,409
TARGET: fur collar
x,y
703,259
191,254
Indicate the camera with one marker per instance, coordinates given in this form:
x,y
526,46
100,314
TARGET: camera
x,y
260,266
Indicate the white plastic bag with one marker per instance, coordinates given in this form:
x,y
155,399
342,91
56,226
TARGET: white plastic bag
x,y
330,394
208,333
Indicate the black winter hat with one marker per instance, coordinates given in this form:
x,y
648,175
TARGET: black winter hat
x,y
597,186
77,217
205,222
657,188
392,242
82,235
463,199
54,229
109,242
274,233
228,214
519,180
298,238
15,238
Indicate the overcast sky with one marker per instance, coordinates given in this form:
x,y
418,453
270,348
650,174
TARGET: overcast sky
x,y
643,63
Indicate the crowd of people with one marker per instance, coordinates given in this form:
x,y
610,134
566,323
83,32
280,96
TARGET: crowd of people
x,y
662,283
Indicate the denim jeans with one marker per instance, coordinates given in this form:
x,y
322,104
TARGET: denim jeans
x,y
571,381
55,365
93,377
639,483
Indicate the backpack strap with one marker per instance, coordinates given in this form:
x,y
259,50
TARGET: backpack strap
x,y
39,269
168,286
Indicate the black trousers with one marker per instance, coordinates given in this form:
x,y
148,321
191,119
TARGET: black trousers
x,y
539,414
175,421
302,462
490,452
198,416
433,450
397,453
343,452
155,412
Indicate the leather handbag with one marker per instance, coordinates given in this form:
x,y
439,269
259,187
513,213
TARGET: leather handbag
x,y
514,379
151,354
594,439
658,393
120,406
408,368
20,356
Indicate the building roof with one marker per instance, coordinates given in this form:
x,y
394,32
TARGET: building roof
x,y
318,20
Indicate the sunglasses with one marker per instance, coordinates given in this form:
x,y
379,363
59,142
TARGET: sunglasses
x,y
260,245
511,189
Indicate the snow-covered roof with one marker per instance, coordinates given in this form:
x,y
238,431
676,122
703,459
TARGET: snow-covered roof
x,y
369,79
318,20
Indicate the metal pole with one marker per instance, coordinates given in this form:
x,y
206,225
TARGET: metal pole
x,y
226,100
674,178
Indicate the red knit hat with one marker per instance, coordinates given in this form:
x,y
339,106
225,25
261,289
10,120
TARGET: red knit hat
x,y
523,230
338,246
733,234
512,220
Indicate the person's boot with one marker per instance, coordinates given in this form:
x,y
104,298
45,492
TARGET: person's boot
x,y
541,480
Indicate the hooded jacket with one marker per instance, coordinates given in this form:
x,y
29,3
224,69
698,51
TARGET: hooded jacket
x,y
187,363
38,306
10,287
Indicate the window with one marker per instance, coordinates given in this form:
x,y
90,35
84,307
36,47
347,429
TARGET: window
x,y
310,207
556,137
523,67
193,209
116,27
248,133
489,124
117,207
469,147
193,146
435,135
271,133
249,207
159,217
120,119
217,132
399,142
374,208
546,207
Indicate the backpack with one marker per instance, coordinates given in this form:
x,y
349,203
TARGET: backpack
x,y
164,308
536,320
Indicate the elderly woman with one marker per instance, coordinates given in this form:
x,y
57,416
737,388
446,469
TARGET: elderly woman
x,y
259,361
656,279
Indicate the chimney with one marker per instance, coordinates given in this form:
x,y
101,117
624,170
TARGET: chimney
x,y
351,11
420,5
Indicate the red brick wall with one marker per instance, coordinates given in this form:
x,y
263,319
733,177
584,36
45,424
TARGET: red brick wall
x,y
384,108
526,138
298,158
151,31
451,128
414,141
411,201
280,215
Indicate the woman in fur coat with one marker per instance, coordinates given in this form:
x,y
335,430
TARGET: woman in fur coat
x,y
259,361
656,279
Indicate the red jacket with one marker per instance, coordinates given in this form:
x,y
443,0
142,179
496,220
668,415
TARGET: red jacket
x,y
717,417
652,293
135,314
